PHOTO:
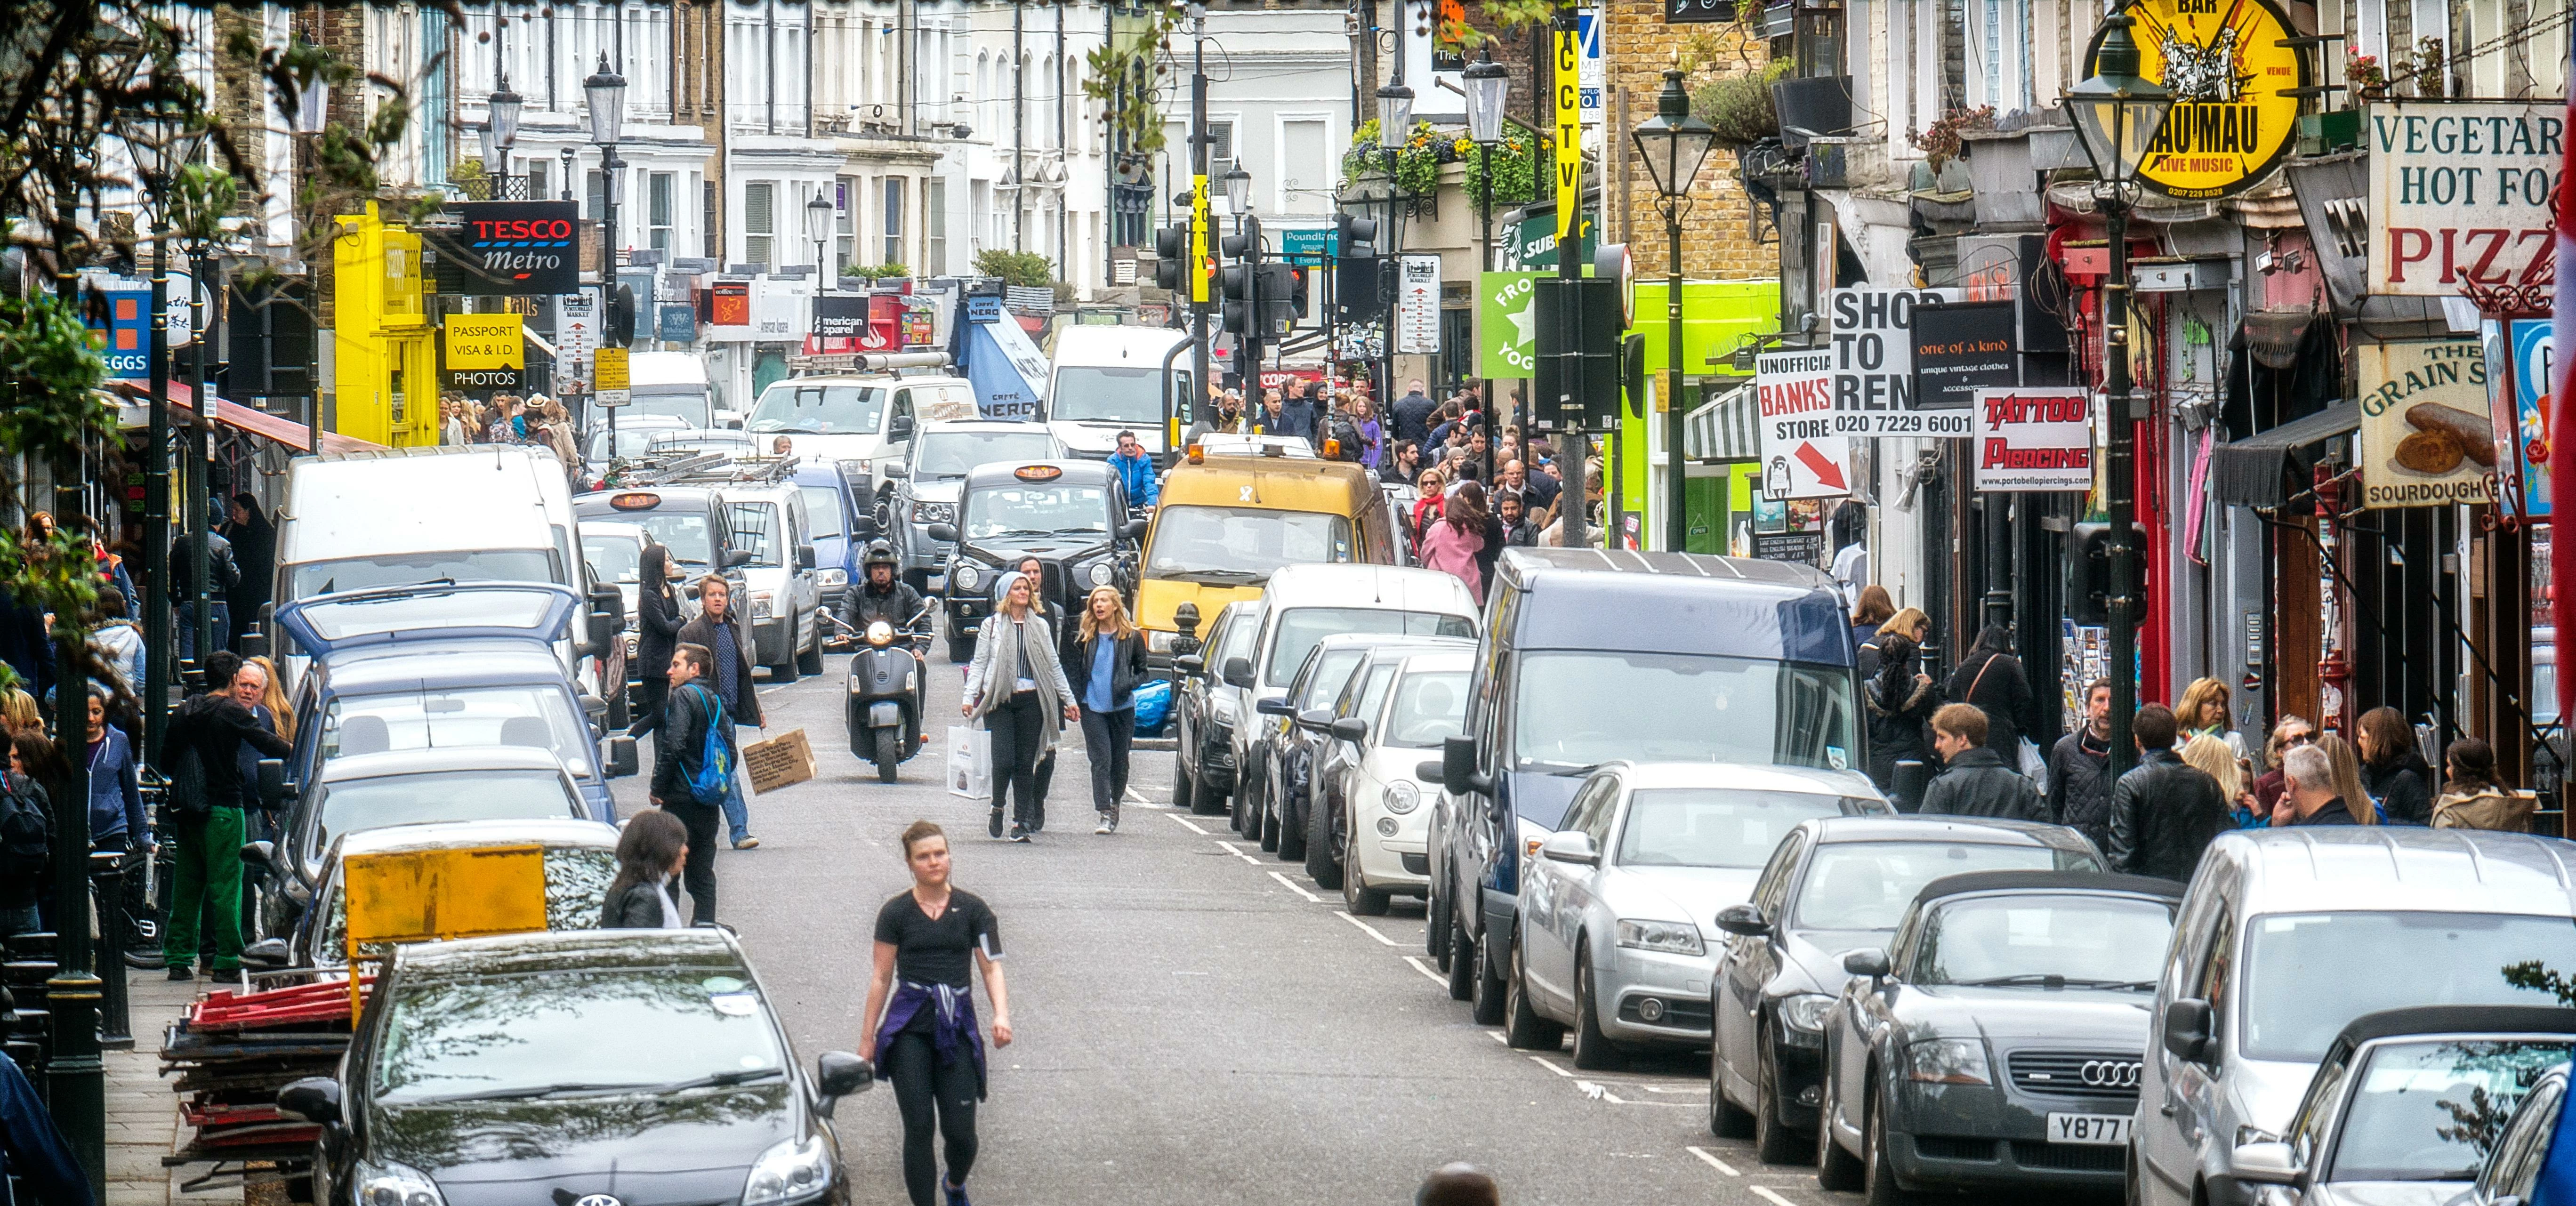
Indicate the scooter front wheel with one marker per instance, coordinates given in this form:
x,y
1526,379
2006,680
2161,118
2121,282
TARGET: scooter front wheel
x,y
889,754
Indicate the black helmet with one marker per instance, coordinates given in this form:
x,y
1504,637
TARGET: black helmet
x,y
879,553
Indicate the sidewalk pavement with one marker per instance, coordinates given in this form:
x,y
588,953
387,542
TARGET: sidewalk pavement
x,y
142,1112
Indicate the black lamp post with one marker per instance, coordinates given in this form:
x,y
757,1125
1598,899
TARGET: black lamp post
x,y
2117,113
501,133
1487,85
606,91
310,114
157,162
1674,143
1394,126
818,227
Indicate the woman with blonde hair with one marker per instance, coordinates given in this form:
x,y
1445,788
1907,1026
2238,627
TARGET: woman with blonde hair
x,y
1108,661
273,697
19,714
2203,709
1910,623
2211,757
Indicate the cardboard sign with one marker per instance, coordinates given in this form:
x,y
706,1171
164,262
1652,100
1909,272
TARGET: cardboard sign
x,y
1802,455
2034,439
1872,341
2426,439
2232,69
2459,194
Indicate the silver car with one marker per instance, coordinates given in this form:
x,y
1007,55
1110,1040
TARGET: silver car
x,y
1608,940
2514,1161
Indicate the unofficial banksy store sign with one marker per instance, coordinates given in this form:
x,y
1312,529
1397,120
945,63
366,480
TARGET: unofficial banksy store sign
x,y
503,248
2426,439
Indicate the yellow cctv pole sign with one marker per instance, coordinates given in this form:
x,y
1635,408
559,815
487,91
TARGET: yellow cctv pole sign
x,y
423,895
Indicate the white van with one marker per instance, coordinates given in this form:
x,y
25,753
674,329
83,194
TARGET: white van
x,y
866,419
1105,380
674,384
786,604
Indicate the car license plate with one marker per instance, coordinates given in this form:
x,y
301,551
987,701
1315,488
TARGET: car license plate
x,y
2097,1130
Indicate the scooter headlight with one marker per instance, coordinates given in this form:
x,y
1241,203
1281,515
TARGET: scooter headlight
x,y
880,633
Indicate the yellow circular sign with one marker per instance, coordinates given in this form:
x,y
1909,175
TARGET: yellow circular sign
x,y
2233,117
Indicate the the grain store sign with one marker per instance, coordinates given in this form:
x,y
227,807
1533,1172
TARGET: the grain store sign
x,y
2230,72
2425,437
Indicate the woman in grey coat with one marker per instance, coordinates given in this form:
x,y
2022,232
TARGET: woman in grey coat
x,y
1016,688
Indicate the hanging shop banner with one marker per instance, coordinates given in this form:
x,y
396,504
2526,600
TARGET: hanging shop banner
x,y
1872,339
2425,438
1802,455
509,247
1417,306
1960,349
2459,194
839,318
126,341
729,305
2233,70
2533,362
1506,324
2034,439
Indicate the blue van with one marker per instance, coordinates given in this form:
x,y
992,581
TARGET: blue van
x,y
1590,657
835,502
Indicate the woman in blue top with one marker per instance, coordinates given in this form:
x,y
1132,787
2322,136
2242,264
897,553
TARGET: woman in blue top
x,y
1108,661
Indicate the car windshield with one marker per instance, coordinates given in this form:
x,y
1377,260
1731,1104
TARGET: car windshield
x,y
614,558
357,805
1023,510
1099,394
2450,959
1578,709
1429,708
681,528
528,1033
2431,1111
1300,629
2083,939
631,441
407,569
1332,673
523,610
1716,826
819,409
1238,637
952,454
577,879
541,717
822,510
689,405
1242,545
755,530
1868,885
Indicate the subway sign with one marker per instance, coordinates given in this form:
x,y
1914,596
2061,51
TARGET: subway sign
x,y
2235,115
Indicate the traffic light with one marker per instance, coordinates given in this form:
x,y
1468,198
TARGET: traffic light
x,y
1359,276
619,330
1244,280
1577,374
1354,237
2088,568
1283,296
1172,256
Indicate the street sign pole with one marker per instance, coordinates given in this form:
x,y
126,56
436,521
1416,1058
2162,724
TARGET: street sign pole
x,y
1200,242
1572,458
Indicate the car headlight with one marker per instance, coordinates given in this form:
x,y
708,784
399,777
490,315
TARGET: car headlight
x,y
1158,641
1402,797
1947,1062
391,1184
790,1172
1220,709
761,602
1670,937
1100,573
967,576
1806,1011
934,512
833,576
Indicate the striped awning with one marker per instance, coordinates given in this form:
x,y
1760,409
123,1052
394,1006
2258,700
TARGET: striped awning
x,y
1723,429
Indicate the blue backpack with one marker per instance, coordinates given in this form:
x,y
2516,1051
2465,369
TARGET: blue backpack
x,y
713,778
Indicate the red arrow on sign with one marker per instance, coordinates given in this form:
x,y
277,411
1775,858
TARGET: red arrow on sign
x,y
1822,466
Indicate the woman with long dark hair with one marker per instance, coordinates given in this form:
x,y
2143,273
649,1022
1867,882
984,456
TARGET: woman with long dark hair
x,y
2391,770
1873,609
1458,536
657,632
919,1022
1900,703
1991,678
651,850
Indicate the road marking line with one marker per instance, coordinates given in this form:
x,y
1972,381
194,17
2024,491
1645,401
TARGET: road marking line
x,y
1497,1036
1416,963
1599,1092
1772,1195
1185,824
1365,927
1310,897
1544,1062
1137,796
1713,1161
1228,847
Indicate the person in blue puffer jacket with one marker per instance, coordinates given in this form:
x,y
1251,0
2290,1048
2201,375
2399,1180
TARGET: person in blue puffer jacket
x,y
116,820
1135,471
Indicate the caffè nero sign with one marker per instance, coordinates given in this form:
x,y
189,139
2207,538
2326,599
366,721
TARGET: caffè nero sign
x,y
505,248
2232,77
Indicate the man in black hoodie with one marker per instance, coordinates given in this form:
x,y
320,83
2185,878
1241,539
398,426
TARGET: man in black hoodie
x,y
2079,770
678,743
213,727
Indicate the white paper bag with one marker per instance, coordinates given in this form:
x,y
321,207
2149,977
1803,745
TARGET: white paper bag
x,y
970,762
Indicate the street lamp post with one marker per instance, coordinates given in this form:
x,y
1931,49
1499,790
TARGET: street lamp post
x,y
500,134
1487,85
818,227
606,91
1674,143
2117,113
312,112
154,163
1394,125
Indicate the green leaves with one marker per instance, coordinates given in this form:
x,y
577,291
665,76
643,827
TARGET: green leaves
x,y
1025,269
49,401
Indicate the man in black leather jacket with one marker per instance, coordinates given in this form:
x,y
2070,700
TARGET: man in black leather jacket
x,y
1975,782
2164,812
883,595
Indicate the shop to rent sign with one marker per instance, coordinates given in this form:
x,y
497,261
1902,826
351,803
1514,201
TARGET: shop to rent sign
x,y
2459,194
2425,436
1871,339
1803,456
2033,439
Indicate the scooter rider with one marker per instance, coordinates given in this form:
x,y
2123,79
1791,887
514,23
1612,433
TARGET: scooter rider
x,y
884,596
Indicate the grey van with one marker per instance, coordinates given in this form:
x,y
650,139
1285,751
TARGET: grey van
x,y
2286,936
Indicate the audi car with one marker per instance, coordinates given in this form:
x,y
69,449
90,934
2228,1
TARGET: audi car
x,y
1996,1042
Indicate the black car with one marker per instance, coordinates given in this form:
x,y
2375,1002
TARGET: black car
x,y
1069,514
478,1077
1205,709
1292,726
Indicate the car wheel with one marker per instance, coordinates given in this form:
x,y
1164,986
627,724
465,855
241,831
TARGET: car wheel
x,y
1523,1028
1773,1142
1726,1120
1878,1172
1323,854
810,662
1487,1002
1245,815
889,754
1462,964
961,647
1836,1169
1359,899
621,712
1181,795
1593,1050
1437,928
1265,815
783,671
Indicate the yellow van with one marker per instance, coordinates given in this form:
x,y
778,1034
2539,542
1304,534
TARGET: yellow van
x,y
1225,522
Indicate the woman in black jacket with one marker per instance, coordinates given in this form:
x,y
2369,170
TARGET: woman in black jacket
x,y
1106,663
650,853
2396,776
657,630
1991,678
1900,704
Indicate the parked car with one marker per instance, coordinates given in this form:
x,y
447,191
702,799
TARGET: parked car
x,y
1368,827
927,483
698,1100
837,507
1206,710
2511,1174
1994,1045
782,601
1291,725
613,553
1069,514
2388,916
580,861
863,419
1710,659
1608,940
1833,885
2409,1106
690,520
673,385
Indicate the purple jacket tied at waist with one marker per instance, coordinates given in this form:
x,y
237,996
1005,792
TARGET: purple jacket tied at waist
x,y
952,1027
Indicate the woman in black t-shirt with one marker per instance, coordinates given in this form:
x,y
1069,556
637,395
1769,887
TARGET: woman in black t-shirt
x,y
919,1024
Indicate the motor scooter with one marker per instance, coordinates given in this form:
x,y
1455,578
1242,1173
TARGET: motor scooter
x,y
888,689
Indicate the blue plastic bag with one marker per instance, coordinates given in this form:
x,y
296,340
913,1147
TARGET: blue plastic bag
x,y
1153,707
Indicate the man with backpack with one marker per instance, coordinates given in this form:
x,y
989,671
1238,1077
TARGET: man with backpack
x,y
206,799
693,762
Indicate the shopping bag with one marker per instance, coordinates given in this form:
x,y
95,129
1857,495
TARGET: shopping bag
x,y
970,762
780,761
2033,766
1153,707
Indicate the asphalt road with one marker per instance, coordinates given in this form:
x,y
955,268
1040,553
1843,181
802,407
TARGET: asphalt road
x,y
1195,1021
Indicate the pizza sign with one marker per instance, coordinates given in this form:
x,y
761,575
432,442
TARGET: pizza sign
x,y
2234,115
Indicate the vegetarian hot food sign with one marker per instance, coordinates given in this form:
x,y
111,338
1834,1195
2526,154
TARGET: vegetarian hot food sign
x,y
1802,455
2425,436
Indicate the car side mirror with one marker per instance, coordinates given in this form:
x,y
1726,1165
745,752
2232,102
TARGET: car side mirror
x,y
1872,964
274,789
621,757
736,557
604,599
1270,707
1911,779
1316,720
838,1074
257,854
944,532
1743,920
1190,663
313,1099
900,429
892,472
254,643
2269,1162
268,953
1351,729
1571,846
2186,1033
1459,775
805,556
1135,528
602,634
865,529
1238,672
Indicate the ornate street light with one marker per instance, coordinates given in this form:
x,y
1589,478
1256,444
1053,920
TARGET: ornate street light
x,y
1238,190
1394,114
1488,85
607,92
504,106
818,227
1674,143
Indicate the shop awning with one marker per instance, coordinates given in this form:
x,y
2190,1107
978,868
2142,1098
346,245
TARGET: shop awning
x,y
137,398
2250,472
1723,429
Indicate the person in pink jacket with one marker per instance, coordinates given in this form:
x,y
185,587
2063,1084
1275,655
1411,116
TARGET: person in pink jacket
x,y
1457,536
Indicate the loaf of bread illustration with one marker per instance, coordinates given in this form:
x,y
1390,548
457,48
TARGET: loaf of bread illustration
x,y
2469,434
